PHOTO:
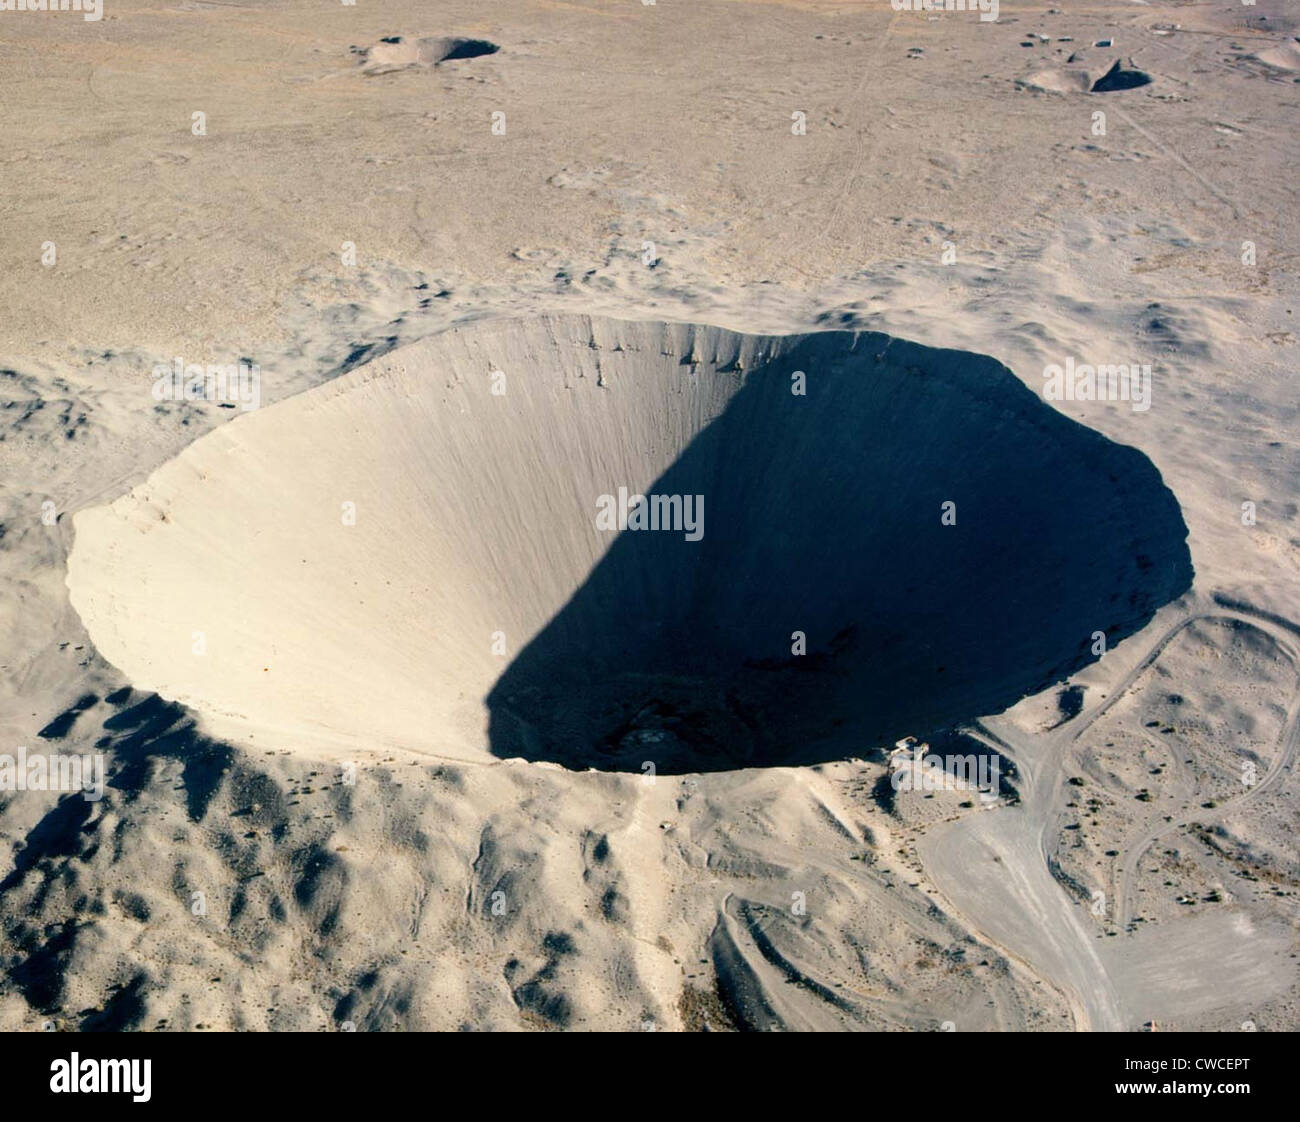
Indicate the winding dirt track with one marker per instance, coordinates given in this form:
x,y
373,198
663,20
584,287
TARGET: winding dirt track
x,y
1282,764
994,868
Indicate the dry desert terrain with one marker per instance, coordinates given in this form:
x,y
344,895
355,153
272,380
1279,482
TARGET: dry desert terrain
x,y
396,734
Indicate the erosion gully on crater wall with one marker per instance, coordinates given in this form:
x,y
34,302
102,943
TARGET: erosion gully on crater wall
x,y
476,607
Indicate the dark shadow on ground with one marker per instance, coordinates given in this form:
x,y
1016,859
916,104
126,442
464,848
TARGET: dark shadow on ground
x,y
58,728
58,850
1119,78
822,515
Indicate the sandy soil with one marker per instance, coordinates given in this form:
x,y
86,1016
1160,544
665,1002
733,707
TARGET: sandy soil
x,y
350,218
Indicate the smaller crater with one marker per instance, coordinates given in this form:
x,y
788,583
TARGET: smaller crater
x,y
396,52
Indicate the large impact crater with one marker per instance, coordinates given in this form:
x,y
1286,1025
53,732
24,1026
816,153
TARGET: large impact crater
x,y
428,553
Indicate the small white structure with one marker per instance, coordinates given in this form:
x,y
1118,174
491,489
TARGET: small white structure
x,y
908,747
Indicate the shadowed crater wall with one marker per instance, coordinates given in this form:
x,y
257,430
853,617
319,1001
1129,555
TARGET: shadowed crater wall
x,y
822,520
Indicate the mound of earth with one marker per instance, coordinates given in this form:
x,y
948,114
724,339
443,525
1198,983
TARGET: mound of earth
x,y
1284,56
1059,81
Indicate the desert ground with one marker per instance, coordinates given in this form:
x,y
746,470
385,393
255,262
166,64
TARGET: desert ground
x,y
375,695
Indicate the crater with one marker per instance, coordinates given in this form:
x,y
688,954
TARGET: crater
x,y
1080,79
884,539
397,52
